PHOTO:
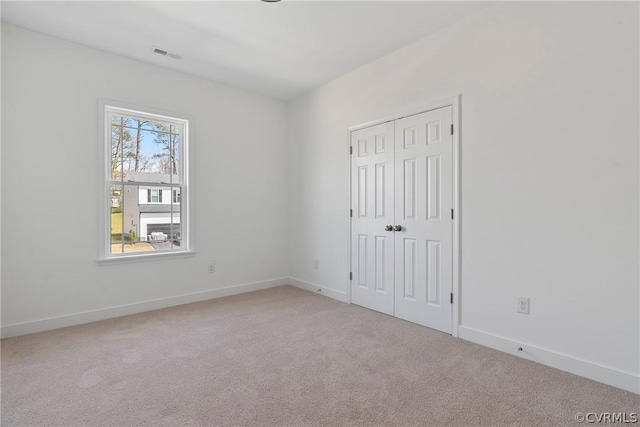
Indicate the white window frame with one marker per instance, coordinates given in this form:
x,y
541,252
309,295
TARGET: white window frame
x,y
106,109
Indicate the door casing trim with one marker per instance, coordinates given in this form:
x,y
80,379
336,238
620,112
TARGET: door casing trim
x,y
454,102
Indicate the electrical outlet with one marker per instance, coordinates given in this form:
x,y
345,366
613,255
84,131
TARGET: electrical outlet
x,y
523,305
316,264
212,268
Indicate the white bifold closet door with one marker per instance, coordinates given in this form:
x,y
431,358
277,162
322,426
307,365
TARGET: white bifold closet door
x,y
401,225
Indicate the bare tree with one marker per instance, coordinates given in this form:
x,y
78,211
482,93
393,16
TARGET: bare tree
x,y
120,143
168,138
139,124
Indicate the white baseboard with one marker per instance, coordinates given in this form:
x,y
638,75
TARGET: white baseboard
x,y
111,312
593,371
317,289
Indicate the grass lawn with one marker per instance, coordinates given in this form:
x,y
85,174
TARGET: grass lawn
x,y
116,227
135,247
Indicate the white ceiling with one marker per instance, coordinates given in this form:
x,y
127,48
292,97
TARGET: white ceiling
x,y
281,50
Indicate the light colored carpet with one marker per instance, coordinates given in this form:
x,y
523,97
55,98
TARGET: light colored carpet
x,y
281,356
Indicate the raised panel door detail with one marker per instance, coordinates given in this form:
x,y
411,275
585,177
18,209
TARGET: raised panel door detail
x,y
380,262
410,269
433,132
424,191
410,137
362,191
380,144
362,147
372,203
380,189
362,260
433,187
433,273
409,196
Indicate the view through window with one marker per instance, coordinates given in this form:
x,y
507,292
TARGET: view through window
x,y
146,212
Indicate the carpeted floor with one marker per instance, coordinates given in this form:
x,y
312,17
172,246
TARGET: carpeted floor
x,y
281,356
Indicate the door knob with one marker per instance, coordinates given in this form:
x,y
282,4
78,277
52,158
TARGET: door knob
x,y
397,228
388,228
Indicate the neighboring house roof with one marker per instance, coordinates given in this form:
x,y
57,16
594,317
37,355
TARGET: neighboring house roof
x,y
154,208
156,178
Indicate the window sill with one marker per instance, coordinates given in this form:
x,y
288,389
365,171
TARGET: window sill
x,y
125,259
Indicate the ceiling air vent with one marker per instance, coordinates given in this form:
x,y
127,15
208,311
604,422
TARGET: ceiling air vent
x,y
164,52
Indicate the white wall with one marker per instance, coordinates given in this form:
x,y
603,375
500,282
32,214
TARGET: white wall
x,y
50,137
549,170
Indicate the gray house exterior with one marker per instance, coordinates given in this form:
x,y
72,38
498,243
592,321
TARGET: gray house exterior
x,y
151,204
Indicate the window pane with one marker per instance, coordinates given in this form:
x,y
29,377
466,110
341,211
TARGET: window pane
x,y
143,158
125,229
120,145
174,149
140,147
175,230
163,146
115,220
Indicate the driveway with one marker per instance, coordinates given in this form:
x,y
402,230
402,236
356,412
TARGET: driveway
x,y
163,246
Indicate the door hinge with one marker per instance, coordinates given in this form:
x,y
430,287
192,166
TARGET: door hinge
x,y
451,297
451,129
351,149
351,213
350,276
451,213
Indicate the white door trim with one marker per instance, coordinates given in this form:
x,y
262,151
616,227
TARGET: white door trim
x,y
454,102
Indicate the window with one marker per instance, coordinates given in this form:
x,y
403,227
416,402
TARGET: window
x,y
154,196
145,179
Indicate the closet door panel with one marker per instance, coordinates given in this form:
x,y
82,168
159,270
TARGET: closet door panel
x,y
424,198
372,204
